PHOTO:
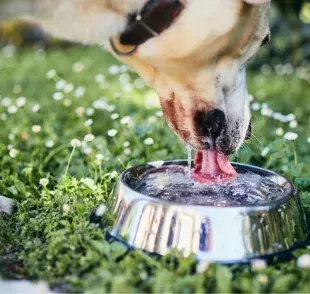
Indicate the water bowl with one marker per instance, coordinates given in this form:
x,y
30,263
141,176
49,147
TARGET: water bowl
x,y
156,210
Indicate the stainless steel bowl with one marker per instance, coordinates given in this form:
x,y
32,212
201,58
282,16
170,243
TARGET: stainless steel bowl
x,y
221,234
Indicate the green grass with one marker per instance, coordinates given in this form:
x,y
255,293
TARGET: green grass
x,y
45,240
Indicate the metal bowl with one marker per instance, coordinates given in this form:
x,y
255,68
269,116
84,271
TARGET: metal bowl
x,y
221,234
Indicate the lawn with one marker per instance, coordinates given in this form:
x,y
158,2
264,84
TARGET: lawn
x,y
72,120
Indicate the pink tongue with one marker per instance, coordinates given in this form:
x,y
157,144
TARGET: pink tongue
x,y
212,167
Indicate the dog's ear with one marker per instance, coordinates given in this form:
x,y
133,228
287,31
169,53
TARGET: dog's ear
x,y
257,2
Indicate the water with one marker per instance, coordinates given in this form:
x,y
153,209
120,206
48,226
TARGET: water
x,y
173,184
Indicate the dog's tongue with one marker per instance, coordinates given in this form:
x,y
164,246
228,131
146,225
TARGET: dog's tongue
x,y
212,167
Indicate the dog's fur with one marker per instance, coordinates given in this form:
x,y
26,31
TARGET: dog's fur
x,y
195,65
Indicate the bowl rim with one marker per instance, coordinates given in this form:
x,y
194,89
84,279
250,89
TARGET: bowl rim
x,y
292,192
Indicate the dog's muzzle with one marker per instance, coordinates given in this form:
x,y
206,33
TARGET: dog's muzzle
x,y
155,17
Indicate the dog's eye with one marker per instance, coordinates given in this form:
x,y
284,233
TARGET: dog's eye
x,y
266,40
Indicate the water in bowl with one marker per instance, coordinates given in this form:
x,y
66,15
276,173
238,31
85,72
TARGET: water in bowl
x,y
174,184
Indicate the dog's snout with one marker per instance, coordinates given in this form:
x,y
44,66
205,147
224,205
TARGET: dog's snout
x,y
211,123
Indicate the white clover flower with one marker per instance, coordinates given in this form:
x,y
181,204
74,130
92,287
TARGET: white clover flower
x,y
125,120
112,133
114,116
139,83
68,88
89,138
11,137
148,141
308,140
202,266
24,136
262,279
279,116
113,174
152,119
51,74
111,108
78,67
90,111
126,144
44,182
265,151
127,151
291,117
290,136
159,113
76,143
88,123
87,150
124,78
66,208
58,96
280,132
101,209
80,111
258,265
266,111
60,85
79,92
266,69
67,102
13,153
114,70
36,129
99,157
303,261
250,97
255,106
36,108
3,116
101,104
21,101
9,147
293,124
6,101
100,78
123,68
12,109
127,88
49,143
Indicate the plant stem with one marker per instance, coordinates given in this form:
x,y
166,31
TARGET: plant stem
x,y
70,159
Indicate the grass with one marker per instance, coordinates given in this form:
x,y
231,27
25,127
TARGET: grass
x,y
58,186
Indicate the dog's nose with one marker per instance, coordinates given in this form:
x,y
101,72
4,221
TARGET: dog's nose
x,y
211,123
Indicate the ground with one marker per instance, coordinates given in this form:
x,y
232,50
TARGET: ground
x,y
84,94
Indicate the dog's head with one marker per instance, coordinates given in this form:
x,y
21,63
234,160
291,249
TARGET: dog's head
x,y
193,52
197,66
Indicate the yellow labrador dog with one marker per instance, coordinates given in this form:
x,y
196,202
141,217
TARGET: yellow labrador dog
x,y
193,52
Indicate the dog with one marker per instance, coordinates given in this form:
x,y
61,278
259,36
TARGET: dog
x,y
192,52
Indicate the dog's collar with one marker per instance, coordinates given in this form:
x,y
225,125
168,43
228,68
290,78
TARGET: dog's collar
x,y
155,17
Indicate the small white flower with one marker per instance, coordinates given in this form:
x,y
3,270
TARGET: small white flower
x,y
139,83
89,138
80,111
67,102
21,101
99,157
293,124
125,120
6,101
9,147
113,174
90,111
303,261
258,265
60,85
262,279
202,266
112,133
255,106
51,74
114,70
114,116
13,153
152,119
280,132
3,116
36,108
79,92
76,143
87,150
11,137
111,108
49,143
44,182
148,141
36,129
88,123
66,208
68,88
308,140
159,113
291,117
127,88
290,136
265,151
127,151
266,111
12,109
78,67
100,78
124,78
58,96
126,144
124,68
266,69
101,209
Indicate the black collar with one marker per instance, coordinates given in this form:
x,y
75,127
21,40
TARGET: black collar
x,y
155,17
